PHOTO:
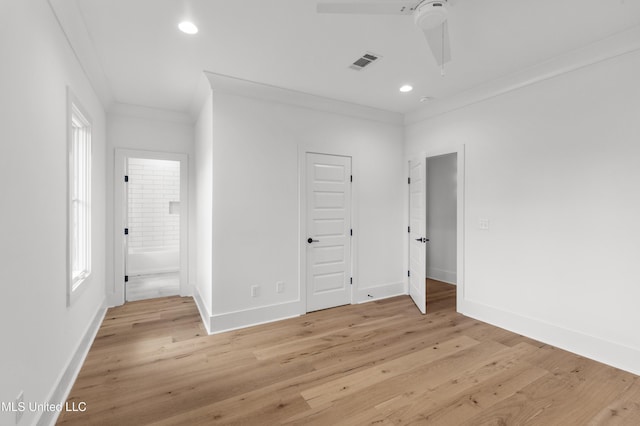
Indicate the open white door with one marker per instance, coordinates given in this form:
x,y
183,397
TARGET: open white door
x,y
328,225
417,231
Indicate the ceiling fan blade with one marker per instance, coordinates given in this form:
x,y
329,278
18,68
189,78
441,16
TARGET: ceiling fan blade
x,y
438,40
393,7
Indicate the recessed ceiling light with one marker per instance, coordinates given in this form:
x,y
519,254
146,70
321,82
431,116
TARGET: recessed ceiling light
x,y
406,88
188,27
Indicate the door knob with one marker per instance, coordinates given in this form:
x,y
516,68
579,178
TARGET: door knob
x,y
422,240
311,240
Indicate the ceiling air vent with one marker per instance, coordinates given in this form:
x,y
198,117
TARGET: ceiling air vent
x,y
365,60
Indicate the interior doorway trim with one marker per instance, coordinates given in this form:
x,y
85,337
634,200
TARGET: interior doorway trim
x,y
460,218
117,295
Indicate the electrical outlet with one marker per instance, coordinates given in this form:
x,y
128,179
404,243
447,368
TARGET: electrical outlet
x,y
483,224
255,290
19,407
280,287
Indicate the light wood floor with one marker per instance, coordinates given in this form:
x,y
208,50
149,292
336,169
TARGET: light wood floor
x,y
377,363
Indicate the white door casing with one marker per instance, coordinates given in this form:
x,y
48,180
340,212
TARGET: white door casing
x,y
328,226
115,290
417,233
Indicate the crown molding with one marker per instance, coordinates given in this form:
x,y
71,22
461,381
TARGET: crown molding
x,y
621,43
73,26
220,83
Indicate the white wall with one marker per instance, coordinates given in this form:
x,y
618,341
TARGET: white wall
x,y
204,203
441,217
40,334
554,167
256,210
147,129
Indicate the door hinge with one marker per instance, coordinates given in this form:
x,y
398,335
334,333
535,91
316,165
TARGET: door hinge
x,y
409,181
351,280
351,232
408,229
126,231
408,273
126,278
351,178
126,178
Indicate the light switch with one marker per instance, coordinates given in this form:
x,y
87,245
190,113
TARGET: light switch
x,y
483,224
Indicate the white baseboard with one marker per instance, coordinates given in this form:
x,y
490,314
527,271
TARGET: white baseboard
x,y
248,317
443,275
219,323
68,377
229,321
610,353
378,292
205,315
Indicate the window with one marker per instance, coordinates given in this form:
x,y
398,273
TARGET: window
x,y
79,208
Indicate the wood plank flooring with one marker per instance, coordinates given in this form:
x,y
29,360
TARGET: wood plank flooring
x,y
377,363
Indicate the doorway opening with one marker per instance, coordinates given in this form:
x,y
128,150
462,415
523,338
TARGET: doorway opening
x,y
441,225
436,196
151,225
153,222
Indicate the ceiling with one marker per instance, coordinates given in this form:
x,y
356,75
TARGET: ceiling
x,y
145,60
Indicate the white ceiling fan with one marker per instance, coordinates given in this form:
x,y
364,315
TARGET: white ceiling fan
x,y
429,16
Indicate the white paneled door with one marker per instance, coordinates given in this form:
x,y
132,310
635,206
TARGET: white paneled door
x,y
417,231
328,226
